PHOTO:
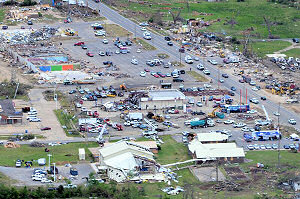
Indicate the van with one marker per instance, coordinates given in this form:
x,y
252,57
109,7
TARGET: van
x,y
191,101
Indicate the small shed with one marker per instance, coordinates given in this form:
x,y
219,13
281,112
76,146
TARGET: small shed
x,y
81,154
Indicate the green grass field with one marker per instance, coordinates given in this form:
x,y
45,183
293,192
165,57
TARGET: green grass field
x,y
2,14
144,44
60,154
293,53
247,14
262,48
197,76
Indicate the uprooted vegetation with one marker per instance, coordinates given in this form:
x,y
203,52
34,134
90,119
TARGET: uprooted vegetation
x,y
10,89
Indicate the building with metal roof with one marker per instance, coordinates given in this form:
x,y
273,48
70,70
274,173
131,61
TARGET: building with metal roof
x,y
212,137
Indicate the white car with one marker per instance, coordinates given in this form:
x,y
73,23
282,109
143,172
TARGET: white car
x,y
95,24
245,129
252,83
70,186
254,89
221,80
100,33
292,121
254,100
105,41
34,120
250,147
78,105
206,72
199,104
143,74
45,180
252,111
276,114
139,51
134,62
200,67
117,52
228,121
213,62
143,29
36,178
238,125
127,124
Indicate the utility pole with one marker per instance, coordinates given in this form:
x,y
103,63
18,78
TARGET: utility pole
x,y
217,175
279,137
49,155
134,31
54,178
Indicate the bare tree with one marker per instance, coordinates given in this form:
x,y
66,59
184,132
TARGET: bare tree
x,y
232,20
188,5
175,17
269,24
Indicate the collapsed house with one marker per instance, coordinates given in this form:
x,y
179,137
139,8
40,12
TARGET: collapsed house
x,y
125,160
8,114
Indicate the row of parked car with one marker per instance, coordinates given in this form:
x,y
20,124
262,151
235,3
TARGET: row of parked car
x,y
32,115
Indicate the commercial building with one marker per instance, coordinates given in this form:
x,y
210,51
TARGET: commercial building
x,y
125,160
160,99
8,114
212,138
222,152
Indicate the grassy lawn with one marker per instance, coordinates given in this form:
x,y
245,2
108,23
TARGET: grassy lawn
x,y
293,52
65,119
2,15
91,19
172,151
177,64
270,158
247,14
163,55
60,154
6,180
267,47
144,45
114,30
197,76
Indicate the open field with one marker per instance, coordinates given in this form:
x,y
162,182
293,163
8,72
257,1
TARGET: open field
x,y
60,154
293,52
144,45
114,30
246,15
268,47
2,14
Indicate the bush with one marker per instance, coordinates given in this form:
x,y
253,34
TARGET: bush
x,y
28,3
10,3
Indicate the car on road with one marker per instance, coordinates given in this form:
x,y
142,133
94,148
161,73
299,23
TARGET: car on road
x,y
213,62
90,54
167,38
18,163
36,178
276,114
105,41
101,53
239,125
143,74
45,128
296,40
72,91
206,72
139,50
252,83
292,121
84,46
233,88
34,120
200,67
254,100
134,62
250,147
143,29
274,146
178,80
263,98
146,70
170,43
252,111
29,22
262,147
80,43
254,89
100,33
199,104
228,121
245,129
256,147
221,80
225,75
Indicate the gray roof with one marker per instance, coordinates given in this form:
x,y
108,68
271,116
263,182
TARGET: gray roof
x,y
8,108
167,94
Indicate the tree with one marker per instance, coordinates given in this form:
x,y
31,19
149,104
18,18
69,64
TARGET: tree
x,y
175,17
268,24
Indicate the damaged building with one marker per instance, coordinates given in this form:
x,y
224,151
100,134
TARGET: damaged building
x,y
125,160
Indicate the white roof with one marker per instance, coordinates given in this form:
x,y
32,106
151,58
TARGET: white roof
x,y
166,94
135,115
122,146
83,121
125,161
211,137
213,151
81,151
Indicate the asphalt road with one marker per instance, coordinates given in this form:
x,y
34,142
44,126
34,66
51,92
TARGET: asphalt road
x,y
159,42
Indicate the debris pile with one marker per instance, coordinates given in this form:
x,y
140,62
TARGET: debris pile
x,y
11,145
227,186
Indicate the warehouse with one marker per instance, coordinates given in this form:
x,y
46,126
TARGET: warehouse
x,y
222,152
161,99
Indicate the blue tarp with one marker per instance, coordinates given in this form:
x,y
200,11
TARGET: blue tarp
x,y
45,68
266,135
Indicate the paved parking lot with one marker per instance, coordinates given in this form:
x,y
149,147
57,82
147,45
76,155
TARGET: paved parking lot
x,y
23,175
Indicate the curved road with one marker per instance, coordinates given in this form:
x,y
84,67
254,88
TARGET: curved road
x,y
159,42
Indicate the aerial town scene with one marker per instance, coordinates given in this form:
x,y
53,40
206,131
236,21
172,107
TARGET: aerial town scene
x,y
158,99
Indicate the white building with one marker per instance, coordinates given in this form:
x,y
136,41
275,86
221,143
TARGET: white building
x,y
159,99
124,160
222,152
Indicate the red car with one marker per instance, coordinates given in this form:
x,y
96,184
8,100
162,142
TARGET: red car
x,y
162,75
90,54
156,75
45,128
80,43
146,70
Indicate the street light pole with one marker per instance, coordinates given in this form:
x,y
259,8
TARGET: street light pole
x,y
54,178
49,155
